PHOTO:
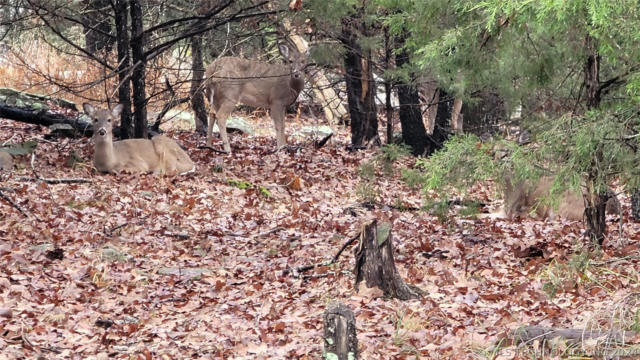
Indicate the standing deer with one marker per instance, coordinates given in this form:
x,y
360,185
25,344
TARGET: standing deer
x,y
160,155
232,80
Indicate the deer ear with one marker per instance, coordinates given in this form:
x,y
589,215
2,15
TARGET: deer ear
x,y
88,109
284,51
117,110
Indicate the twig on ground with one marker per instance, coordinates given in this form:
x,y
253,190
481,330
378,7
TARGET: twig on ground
x,y
295,272
36,177
212,149
56,181
16,206
321,143
110,231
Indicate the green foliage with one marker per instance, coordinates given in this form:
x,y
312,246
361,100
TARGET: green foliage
x,y
578,271
217,168
245,185
463,161
242,185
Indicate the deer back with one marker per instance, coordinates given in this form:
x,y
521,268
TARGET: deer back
x,y
256,83
523,197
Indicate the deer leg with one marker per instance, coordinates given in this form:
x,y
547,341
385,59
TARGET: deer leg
x,y
277,115
212,117
222,116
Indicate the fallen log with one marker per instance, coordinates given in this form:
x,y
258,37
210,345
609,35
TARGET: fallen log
x,y
46,118
530,333
61,125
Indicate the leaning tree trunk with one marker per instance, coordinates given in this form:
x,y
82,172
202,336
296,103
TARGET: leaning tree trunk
x,y
137,75
360,85
375,264
196,92
340,340
595,199
124,89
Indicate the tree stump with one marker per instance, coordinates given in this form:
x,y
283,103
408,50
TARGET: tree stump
x,y
340,341
375,264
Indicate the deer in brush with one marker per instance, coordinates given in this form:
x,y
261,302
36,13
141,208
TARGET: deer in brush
x,y
6,161
232,80
521,198
160,155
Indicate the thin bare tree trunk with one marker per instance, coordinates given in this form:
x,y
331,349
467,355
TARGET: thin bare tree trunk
x,y
196,92
138,73
124,61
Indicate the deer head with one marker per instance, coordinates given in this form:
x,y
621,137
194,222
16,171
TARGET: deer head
x,y
159,155
232,80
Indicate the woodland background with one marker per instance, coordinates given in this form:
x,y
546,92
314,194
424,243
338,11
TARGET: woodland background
x,y
430,104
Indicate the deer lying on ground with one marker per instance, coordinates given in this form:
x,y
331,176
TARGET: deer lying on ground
x,y
160,155
232,80
521,198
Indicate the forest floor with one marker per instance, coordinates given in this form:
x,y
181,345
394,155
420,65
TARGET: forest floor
x,y
193,266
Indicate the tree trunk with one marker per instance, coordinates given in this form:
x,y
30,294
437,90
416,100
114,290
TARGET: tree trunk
x,y
124,89
340,340
387,86
456,117
442,126
97,26
375,264
196,92
635,205
414,133
360,85
324,94
137,75
595,200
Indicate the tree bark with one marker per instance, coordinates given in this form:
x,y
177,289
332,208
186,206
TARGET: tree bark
x,y
375,264
340,340
360,85
332,105
414,133
442,126
39,117
635,205
387,86
138,71
196,92
595,201
97,26
124,62
526,334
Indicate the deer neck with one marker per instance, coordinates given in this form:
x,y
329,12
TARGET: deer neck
x,y
296,84
104,156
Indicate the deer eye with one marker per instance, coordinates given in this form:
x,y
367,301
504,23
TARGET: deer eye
x,y
108,120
